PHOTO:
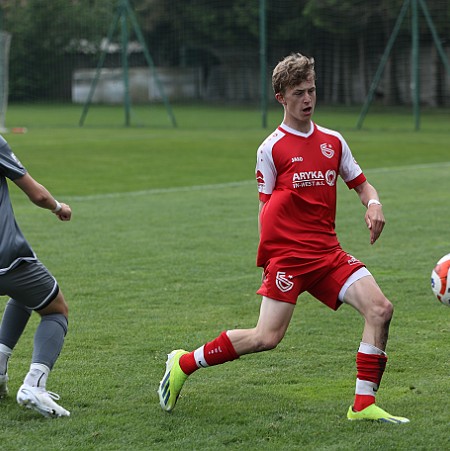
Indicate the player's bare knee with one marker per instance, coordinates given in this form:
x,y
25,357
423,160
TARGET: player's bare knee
x,y
65,309
268,342
61,304
381,311
267,345
58,305
387,310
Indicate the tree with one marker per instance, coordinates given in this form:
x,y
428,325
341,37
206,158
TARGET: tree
x,y
43,33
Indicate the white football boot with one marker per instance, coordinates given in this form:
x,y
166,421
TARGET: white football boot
x,y
41,400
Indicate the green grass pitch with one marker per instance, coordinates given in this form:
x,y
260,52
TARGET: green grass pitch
x,y
161,254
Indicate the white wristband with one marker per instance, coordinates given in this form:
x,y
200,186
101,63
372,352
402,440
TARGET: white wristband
x,y
373,202
58,207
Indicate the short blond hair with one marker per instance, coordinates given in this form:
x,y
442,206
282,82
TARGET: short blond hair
x,y
291,71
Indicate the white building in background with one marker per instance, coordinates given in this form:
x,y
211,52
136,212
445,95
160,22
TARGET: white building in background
x,y
178,83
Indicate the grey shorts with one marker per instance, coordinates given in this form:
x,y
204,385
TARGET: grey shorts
x,y
30,284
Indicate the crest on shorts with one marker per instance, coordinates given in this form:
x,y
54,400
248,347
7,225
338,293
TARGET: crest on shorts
x,y
284,283
352,260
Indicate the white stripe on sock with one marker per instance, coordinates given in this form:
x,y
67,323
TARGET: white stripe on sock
x,y
199,356
365,388
367,348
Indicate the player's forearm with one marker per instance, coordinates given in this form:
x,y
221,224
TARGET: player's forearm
x,y
42,198
366,193
37,193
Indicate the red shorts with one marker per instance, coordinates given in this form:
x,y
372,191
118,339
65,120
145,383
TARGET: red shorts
x,y
285,278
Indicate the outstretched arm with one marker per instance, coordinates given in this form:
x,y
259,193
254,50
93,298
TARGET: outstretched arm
x,y
40,196
374,216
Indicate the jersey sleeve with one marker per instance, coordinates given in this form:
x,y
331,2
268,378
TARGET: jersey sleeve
x,y
265,172
349,169
10,166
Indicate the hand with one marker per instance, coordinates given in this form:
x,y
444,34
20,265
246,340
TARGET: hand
x,y
65,214
375,221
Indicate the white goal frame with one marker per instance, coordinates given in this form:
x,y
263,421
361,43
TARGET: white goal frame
x,y
5,44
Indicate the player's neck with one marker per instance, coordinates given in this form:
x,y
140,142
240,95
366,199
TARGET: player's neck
x,y
300,126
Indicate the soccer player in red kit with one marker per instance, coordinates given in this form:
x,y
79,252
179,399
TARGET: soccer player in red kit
x,y
296,170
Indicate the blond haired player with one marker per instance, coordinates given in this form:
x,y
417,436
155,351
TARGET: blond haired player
x,y
297,169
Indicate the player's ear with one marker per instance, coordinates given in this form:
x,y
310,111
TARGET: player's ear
x,y
280,98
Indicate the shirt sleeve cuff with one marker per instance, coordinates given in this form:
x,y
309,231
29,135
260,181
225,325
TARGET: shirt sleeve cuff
x,y
264,197
357,181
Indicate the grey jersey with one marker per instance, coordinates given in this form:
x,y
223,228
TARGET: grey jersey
x,y
13,246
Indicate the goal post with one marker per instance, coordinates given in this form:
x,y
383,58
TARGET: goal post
x,y
5,43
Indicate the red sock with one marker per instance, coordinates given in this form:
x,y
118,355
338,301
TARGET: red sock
x,y
215,352
370,369
363,401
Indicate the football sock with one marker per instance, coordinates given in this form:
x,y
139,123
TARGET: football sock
x,y
15,318
5,354
49,339
215,352
370,365
37,376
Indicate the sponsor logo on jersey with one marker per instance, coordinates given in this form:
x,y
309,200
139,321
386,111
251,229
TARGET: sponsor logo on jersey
x,y
284,283
308,178
294,159
330,177
327,150
313,178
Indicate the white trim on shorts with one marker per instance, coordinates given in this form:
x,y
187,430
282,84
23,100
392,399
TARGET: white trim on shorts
x,y
359,274
31,284
52,295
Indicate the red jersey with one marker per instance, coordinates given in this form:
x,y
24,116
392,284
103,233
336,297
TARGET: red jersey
x,y
297,174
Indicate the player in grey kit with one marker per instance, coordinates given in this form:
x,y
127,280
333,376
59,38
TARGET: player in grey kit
x,y
30,287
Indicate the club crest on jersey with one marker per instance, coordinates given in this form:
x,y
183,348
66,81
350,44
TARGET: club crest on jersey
x,y
284,283
260,180
327,150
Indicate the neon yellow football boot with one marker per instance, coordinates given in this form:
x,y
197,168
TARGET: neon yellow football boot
x,y
375,413
172,382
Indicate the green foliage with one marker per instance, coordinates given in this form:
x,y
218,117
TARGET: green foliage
x,y
50,39
160,255
330,15
209,26
43,34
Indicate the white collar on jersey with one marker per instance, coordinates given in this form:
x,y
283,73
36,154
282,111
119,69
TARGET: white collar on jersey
x,y
296,132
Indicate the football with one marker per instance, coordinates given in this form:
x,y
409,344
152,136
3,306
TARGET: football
x,y
440,280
